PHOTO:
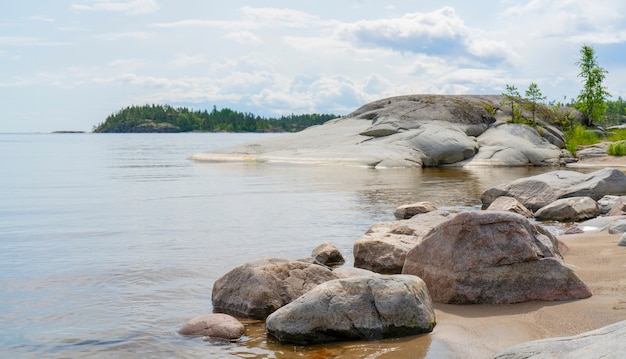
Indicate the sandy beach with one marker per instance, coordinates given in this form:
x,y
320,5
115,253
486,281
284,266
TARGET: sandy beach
x,y
481,331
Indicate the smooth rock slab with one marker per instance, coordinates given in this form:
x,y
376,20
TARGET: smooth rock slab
x,y
607,342
257,288
358,308
492,257
216,325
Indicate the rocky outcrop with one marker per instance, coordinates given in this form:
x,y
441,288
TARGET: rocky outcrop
x,y
539,191
606,342
572,209
215,325
407,211
359,308
492,257
384,246
327,254
411,131
257,288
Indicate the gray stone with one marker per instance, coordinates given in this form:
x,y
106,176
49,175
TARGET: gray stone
x,y
607,342
328,254
359,308
510,204
617,226
257,288
409,210
492,257
571,209
216,325
538,191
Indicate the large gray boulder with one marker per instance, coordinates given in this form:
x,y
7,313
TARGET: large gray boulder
x,y
538,191
607,342
384,246
571,209
358,308
257,288
409,131
492,257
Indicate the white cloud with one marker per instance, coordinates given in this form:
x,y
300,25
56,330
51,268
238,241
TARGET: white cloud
x,y
182,60
28,41
132,7
136,35
244,37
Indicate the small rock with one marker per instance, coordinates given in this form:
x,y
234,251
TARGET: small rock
x,y
510,204
328,254
622,241
572,209
618,226
216,325
409,210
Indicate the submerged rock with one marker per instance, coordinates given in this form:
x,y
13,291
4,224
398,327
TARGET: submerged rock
x,y
492,257
216,325
358,308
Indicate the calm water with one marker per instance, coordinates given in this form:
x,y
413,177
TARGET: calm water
x,y
109,243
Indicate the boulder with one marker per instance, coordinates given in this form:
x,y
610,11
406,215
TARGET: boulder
x,y
257,288
328,254
383,247
510,204
492,257
215,325
409,131
409,210
348,272
359,308
572,209
607,203
606,342
538,191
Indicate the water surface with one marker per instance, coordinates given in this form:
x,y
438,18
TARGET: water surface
x,y
109,243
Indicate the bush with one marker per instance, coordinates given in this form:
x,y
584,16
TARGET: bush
x,y
580,136
617,148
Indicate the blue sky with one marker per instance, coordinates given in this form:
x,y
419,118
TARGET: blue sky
x,y
67,64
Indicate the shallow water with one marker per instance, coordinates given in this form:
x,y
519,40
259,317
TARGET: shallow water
x,y
109,243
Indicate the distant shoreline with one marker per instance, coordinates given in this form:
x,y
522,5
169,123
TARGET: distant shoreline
x,y
68,131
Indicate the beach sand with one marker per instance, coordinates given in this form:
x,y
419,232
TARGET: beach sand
x,y
481,331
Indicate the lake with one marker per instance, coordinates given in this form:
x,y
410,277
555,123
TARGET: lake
x,y
109,243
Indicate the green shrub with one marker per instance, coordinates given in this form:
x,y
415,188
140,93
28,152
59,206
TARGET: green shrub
x,y
617,148
580,136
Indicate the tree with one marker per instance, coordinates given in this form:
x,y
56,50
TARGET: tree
x,y
592,98
534,96
513,96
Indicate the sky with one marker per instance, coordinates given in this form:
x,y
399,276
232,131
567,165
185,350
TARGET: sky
x,y
68,64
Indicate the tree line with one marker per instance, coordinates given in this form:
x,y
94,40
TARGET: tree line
x,y
223,120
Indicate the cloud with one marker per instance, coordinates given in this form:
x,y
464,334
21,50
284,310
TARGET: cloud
x,y
244,37
136,35
28,41
182,60
42,18
132,7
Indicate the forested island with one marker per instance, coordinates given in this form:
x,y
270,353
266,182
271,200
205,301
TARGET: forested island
x,y
165,118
